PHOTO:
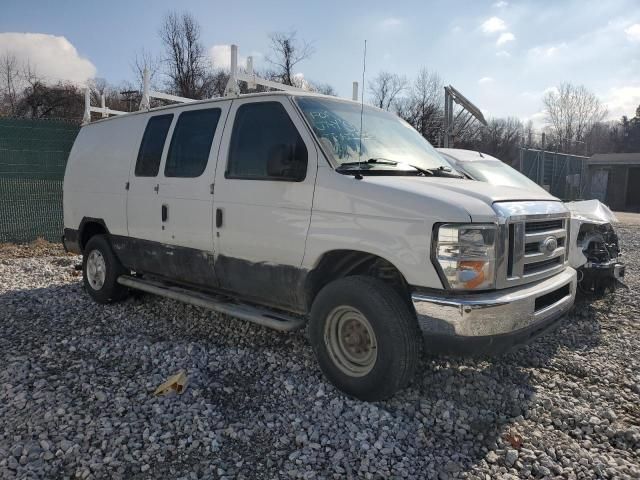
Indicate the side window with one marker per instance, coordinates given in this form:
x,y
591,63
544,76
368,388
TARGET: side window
x,y
150,152
265,145
191,143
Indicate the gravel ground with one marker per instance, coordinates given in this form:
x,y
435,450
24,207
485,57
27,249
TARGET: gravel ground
x,y
77,382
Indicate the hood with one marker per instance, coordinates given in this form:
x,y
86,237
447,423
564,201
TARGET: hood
x,y
474,197
593,211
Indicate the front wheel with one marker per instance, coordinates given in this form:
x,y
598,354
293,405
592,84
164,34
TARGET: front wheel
x,y
100,271
365,338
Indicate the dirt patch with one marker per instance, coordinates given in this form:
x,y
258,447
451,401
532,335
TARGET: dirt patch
x,y
37,248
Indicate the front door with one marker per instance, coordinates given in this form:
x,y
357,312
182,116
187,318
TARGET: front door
x,y
263,197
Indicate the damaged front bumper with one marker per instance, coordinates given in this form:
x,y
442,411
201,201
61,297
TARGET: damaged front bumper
x,y
597,277
493,321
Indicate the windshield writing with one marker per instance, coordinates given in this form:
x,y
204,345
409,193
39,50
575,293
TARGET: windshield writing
x,y
384,136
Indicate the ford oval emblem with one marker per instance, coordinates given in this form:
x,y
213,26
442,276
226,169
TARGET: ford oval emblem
x,y
549,245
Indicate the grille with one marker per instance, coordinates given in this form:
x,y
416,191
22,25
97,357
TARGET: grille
x,y
535,249
544,226
530,268
531,248
550,298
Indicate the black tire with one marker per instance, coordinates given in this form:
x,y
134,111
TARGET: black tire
x,y
110,291
396,331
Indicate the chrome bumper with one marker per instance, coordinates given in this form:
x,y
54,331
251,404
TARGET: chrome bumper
x,y
500,312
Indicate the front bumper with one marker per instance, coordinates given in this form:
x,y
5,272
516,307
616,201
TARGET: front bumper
x,y
500,317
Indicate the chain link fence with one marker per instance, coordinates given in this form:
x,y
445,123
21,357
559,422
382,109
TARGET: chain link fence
x,y
563,175
33,156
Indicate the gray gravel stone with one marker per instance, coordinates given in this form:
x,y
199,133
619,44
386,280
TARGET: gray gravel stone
x,y
76,383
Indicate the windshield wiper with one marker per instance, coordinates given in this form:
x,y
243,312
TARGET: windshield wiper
x,y
440,171
371,161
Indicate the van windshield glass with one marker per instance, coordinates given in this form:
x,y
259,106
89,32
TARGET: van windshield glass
x,y
388,143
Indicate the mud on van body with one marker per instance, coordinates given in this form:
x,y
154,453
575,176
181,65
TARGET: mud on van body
x,y
276,208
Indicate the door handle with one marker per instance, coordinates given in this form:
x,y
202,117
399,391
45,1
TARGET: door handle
x,y
218,218
165,213
156,188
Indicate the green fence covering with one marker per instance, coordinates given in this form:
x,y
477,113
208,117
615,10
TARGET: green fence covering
x,y
33,156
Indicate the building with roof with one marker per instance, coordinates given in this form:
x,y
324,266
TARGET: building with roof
x,y
614,179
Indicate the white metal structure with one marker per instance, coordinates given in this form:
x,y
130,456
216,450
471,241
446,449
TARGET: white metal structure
x,y
275,207
232,89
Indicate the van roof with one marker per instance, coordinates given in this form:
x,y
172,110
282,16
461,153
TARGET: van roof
x,y
275,93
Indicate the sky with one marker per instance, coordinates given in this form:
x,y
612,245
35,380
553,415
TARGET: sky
x,y
501,54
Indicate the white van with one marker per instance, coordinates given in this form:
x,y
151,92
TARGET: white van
x,y
288,208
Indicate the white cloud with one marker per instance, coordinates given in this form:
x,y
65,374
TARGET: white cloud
x,y
505,37
500,4
221,57
493,25
301,82
52,57
622,101
503,53
548,51
538,119
633,32
485,80
390,23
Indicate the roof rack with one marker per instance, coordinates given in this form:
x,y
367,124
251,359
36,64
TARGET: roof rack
x,y
250,77
86,118
232,89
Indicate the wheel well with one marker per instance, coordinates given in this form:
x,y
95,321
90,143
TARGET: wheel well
x,y
343,263
90,228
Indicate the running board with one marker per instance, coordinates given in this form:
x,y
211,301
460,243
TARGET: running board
x,y
261,316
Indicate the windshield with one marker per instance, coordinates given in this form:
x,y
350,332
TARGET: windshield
x,y
498,173
388,143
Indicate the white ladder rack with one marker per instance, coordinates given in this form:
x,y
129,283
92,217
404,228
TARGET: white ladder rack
x,y
232,89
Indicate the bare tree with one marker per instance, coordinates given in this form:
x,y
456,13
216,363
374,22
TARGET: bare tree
x,y
571,112
144,59
286,52
186,64
323,88
424,105
385,89
9,78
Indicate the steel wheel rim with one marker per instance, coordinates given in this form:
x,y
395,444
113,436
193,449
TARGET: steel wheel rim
x,y
351,341
96,270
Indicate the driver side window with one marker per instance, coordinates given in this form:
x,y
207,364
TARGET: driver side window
x,y
265,145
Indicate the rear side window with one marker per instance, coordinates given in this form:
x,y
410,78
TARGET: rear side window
x,y
191,143
150,152
265,145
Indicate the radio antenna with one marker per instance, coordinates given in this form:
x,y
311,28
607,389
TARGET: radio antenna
x,y
364,69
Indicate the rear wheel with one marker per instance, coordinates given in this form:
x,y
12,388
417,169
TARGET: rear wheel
x,y
101,269
366,339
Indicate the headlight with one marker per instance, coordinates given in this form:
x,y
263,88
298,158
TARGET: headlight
x,y
466,255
